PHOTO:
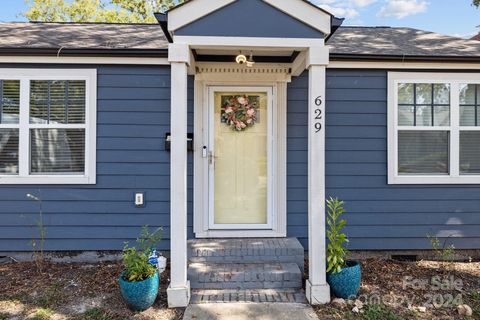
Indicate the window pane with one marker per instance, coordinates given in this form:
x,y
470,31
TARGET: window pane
x,y
469,152
467,93
423,152
9,101
441,116
57,102
467,115
59,151
424,116
8,151
441,93
424,93
405,93
405,115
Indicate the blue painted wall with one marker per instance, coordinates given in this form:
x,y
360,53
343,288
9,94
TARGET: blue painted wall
x,y
133,117
249,18
380,216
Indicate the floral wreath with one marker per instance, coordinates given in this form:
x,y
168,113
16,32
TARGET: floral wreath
x,y
239,113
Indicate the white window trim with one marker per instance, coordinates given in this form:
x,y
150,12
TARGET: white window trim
x,y
25,75
455,79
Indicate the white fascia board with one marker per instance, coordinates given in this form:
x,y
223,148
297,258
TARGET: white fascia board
x,y
84,60
304,12
193,10
201,42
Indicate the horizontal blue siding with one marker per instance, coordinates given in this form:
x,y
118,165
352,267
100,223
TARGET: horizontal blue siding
x,y
382,216
133,116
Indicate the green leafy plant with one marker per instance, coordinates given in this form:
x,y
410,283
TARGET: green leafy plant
x,y
379,311
135,259
38,245
336,251
443,251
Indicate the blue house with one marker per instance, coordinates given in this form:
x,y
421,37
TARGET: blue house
x,y
229,123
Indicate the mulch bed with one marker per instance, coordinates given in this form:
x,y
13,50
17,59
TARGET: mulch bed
x,y
90,292
394,290
72,291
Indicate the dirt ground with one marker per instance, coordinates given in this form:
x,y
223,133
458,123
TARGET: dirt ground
x,y
73,292
395,290
391,290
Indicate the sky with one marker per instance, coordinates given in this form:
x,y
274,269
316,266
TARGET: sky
x,y
451,17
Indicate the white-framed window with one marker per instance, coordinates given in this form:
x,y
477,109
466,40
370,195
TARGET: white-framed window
x,y
48,126
433,128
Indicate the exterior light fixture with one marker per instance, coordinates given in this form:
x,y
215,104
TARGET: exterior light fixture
x,y
241,59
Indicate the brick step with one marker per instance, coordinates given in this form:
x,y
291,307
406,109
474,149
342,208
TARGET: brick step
x,y
248,295
276,275
246,250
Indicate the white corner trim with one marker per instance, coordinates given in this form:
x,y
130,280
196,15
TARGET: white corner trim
x,y
318,56
299,64
392,65
90,125
212,42
193,10
454,79
179,52
315,18
84,60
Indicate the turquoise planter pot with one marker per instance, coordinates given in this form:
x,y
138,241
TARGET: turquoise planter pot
x,y
139,295
346,283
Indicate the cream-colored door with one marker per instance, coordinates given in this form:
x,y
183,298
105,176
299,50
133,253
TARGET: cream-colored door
x,y
240,131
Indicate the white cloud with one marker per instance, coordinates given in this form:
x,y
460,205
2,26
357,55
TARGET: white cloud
x,y
340,11
362,3
402,8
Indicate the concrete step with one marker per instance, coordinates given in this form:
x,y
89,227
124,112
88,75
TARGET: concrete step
x,y
277,275
200,296
249,250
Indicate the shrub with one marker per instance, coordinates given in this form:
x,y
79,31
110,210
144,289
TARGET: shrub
x,y
135,259
336,251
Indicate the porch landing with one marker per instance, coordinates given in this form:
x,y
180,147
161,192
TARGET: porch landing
x,y
246,270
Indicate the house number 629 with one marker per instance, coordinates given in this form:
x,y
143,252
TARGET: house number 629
x,y
318,115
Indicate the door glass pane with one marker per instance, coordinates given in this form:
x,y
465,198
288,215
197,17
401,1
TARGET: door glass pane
x,y
469,152
423,152
241,158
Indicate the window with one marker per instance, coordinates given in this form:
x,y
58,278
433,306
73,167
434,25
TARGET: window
x,y
47,126
434,128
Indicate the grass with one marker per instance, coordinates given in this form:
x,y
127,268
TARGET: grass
x,y
42,314
475,298
379,311
3,316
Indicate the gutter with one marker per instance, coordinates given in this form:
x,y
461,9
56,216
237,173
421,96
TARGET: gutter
x,y
57,52
401,58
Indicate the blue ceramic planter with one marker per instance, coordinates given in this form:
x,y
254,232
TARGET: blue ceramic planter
x,y
139,295
346,283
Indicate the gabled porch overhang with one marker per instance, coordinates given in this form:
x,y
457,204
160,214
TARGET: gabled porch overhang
x,y
186,53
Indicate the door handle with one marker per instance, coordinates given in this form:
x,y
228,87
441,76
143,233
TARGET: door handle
x,y
211,157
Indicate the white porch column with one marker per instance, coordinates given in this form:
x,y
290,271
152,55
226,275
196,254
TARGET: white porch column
x,y
317,289
179,289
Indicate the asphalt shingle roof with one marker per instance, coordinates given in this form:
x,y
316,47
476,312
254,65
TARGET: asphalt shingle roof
x,y
347,41
81,36
389,41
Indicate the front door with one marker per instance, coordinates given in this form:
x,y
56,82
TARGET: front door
x,y
240,158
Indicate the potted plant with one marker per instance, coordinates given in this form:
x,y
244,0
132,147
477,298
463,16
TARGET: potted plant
x,y
139,281
343,276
